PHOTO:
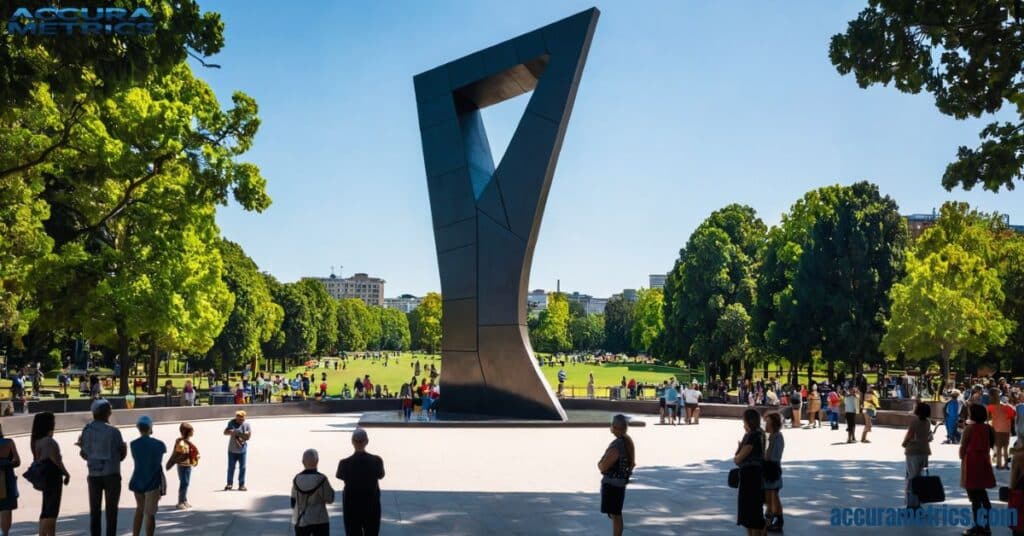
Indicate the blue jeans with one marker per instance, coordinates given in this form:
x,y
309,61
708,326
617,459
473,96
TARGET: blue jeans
x,y
833,419
184,477
239,458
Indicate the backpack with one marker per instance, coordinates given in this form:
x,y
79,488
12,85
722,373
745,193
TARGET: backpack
x,y
193,454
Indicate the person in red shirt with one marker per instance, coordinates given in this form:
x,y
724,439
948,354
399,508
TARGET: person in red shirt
x,y
1002,417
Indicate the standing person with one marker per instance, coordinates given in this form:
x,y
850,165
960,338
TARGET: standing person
x,y
850,405
749,458
103,449
360,500
917,450
773,472
95,388
239,431
46,451
976,474
833,408
813,407
9,459
185,457
1016,499
311,493
590,385
189,393
659,392
1002,416
147,481
671,400
870,410
796,401
952,410
691,397
616,466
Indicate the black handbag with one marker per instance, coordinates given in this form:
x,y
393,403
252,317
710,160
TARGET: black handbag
x,y
36,475
734,478
928,488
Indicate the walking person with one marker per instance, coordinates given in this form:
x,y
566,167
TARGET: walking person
x,y
9,460
916,450
46,451
796,401
239,432
813,407
952,410
561,382
749,458
850,405
616,466
311,493
691,397
185,456
103,449
834,402
671,400
360,500
1002,416
773,472
976,474
147,481
870,410
188,393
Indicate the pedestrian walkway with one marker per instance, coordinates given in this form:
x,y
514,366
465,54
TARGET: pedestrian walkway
x,y
512,481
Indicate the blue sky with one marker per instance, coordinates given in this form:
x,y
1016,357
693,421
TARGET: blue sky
x,y
684,107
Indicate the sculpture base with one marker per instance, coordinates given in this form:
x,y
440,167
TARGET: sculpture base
x,y
444,419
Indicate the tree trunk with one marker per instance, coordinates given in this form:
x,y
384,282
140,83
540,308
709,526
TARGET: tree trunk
x,y
810,371
122,350
154,367
831,371
946,352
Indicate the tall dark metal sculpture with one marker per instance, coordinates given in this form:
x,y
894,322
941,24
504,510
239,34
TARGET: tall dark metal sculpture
x,y
486,218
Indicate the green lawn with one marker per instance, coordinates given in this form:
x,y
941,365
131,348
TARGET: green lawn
x,y
397,373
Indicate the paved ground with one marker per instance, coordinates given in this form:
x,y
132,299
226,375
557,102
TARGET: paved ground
x,y
515,481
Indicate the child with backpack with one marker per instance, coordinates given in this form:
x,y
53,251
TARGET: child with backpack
x,y
185,456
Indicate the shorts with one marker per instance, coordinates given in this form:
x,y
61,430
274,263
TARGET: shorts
x,y
691,406
612,499
661,403
1002,439
149,501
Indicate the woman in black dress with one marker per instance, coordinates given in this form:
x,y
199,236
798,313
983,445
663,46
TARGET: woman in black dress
x,y
46,451
749,458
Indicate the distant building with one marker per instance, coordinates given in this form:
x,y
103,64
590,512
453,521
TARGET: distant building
x,y
591,305
917,224
405,303
630,294
537,300
366,288
656,280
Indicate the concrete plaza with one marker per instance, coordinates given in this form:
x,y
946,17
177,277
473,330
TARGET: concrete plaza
x,y
456,481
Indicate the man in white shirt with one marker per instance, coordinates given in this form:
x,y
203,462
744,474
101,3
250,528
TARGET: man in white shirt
x,y
691,397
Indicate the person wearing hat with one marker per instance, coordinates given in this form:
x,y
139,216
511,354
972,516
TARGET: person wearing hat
x,y
240,431
952,416
148,477
103,449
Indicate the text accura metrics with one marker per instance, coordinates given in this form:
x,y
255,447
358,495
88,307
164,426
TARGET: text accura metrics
x,y
54,21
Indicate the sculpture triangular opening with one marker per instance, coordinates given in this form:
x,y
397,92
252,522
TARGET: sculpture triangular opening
x,y
486,218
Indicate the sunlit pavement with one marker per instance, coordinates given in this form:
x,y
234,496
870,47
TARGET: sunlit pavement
x,y
513,481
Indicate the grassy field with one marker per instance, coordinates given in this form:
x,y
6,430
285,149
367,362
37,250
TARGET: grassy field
x,y
401,371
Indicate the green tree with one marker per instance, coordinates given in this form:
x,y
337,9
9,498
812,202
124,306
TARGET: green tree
x,y
647,319
350,332
552,333
853,255
255,317
587,332
715,270
296,338
425,323
618,325
394,330
132,214
325,316
968,55
1010,265
949,301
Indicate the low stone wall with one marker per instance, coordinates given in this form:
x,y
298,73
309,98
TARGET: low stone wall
x,y
22,424
728,411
